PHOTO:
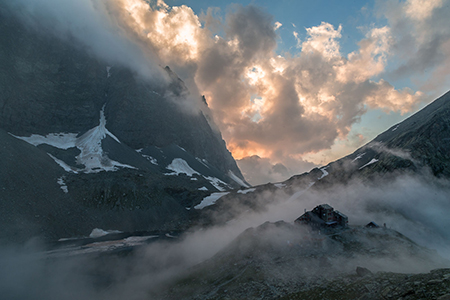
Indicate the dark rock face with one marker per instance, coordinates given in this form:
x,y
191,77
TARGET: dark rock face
x,y
50,85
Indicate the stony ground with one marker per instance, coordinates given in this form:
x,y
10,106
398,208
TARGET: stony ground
x,y
432,285
276,261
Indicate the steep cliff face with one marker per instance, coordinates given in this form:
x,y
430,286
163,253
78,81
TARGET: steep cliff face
x,y
51,85
106,145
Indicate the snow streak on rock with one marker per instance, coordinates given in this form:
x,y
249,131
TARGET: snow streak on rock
x,y
210,200
246,191
237,179
358,157
374,160
324,173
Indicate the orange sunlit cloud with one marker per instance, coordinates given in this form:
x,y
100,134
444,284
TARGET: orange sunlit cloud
x,y
266,104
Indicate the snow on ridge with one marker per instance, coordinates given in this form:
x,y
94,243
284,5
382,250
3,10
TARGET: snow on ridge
x,y
244,192
279,185
374,160
179,166
324,173
396,127
237,179
210,200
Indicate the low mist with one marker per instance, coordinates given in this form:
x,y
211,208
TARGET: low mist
x,y
415,207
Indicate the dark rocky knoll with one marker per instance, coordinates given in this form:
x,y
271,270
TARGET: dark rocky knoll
x,y
280,260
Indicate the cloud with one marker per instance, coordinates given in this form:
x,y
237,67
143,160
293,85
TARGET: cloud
x,y
257,170
421,41
416,207
275,106
91,25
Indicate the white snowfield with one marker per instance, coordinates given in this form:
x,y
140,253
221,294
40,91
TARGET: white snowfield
x,y
180,166
374,160
90,145
210,200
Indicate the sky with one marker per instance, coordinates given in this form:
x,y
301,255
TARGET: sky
x,y
291,84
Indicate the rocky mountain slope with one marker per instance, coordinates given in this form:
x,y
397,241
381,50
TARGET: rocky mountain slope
x,y
88,144
280,260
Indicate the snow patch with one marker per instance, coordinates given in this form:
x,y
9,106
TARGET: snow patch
x,y
324,173
97,232
359,156
63,185
150,159
90,145
217,183
180,166
279,185
203,188
210,200
396,127
374,160
108,73
237,179
244,192
62,141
